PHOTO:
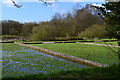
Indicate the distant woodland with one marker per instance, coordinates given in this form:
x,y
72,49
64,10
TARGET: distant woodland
x,y
80,23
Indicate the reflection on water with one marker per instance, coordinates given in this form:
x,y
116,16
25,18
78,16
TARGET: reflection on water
x,y
26,61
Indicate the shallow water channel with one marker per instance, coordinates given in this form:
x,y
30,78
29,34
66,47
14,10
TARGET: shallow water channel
x,y
19,61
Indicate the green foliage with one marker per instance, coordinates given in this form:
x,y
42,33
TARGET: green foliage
x,y
10,27
61,26
85,18
96,31
27,29
67,38
40,35
71,24
111,14
3,37
43,32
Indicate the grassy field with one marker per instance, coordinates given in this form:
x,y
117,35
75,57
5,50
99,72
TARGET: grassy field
x,y
90,52
26,64
18,61
106,73
108,43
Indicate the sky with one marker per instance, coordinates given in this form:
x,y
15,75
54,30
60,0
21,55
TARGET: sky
x,y
33,11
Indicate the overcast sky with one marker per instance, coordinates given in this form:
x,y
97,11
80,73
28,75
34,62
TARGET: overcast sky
x,y
33,11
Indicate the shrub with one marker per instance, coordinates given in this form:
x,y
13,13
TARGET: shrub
x,y
8,37
45,32
96,31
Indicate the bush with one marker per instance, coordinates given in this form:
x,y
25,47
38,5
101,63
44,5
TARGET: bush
x,y
67,38
96,31
8,37
43,33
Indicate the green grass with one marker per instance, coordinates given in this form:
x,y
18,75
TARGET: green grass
x,y
107,73
108,39
21,61
90,73
21,54
108,43
90,52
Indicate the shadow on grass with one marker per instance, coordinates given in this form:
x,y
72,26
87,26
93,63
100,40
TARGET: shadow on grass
x,y
110,73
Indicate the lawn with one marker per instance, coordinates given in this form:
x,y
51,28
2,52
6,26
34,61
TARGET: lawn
x,y
104,73
19,61
108,43
90,52
25,63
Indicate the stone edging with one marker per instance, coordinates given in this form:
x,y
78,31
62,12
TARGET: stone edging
x,y
64,56
65,42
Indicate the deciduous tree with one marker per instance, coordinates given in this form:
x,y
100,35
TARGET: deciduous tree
x,y
111,14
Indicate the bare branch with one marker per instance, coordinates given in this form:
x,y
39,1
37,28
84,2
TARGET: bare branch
x,y
16,5
45,3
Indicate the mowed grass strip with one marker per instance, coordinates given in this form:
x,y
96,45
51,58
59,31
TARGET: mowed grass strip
x,y
108,43
95,53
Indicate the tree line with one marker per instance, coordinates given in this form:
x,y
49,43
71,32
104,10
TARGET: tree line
x,y
80,23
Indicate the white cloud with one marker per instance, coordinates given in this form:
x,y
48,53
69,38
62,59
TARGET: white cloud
x,y
8,3
99,5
